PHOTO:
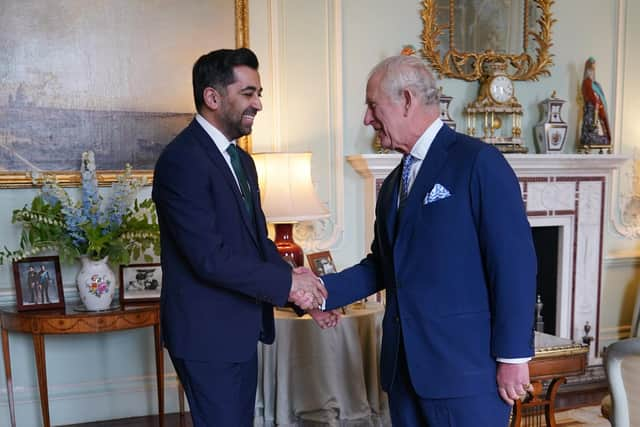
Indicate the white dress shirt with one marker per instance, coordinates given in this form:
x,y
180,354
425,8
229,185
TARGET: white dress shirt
x,y
221,142
420,149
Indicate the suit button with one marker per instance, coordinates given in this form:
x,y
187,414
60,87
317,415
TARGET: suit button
x,y
397,319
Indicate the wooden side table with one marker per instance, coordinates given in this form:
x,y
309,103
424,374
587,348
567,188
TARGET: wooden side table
x,y
68,321
555,359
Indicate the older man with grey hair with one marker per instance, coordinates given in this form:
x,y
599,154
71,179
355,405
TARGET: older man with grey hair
x,y
453,249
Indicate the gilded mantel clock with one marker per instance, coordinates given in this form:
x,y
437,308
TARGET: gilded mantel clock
x,y
496,115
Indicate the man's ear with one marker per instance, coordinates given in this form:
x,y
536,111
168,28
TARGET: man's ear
x,y
407,101
211,98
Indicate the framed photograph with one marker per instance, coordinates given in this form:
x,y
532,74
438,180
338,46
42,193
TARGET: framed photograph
x,y
140,283
38,283
104,76
321,263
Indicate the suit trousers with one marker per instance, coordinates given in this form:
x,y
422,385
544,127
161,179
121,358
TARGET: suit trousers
x,y
410,410
220,394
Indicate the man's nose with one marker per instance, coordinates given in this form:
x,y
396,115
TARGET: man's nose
x,y
257,103
368,117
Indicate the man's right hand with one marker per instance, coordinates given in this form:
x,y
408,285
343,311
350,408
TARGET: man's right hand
x,y
307,291
325,319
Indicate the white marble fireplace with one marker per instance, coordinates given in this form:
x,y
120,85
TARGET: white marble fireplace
x,y
568,191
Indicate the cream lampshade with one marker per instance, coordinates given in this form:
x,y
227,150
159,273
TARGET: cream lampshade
x,y
288,197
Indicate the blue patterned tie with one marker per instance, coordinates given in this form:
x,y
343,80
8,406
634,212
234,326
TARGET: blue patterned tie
x,y
407,162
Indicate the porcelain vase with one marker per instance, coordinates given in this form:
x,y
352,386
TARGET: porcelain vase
x,y
551,131
96,283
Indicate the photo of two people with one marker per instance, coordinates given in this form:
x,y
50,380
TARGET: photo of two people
x,y
38,283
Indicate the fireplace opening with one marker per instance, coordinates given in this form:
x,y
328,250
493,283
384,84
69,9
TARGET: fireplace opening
x,y
546,242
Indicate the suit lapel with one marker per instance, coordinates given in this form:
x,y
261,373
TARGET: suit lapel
x,y
220,163
424,182
389,202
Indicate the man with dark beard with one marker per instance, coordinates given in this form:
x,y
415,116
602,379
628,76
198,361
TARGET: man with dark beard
x,y
222,275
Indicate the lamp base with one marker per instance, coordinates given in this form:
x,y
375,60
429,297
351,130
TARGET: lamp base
x,y
288,249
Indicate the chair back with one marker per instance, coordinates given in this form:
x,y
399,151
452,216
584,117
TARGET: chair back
x,y
623,373
635,321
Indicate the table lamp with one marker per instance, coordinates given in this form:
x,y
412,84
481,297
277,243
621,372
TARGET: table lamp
x,y
288,197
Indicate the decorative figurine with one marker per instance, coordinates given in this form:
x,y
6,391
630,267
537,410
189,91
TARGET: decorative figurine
x,y
595,132
444,110
551,132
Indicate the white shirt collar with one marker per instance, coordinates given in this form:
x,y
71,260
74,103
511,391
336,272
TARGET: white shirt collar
x,y
221,142
218,137
423,143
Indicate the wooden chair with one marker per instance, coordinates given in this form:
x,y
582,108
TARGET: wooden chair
x,y
180,398
635,322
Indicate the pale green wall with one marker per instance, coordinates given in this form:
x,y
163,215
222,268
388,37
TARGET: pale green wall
x,y
622,275
371,30
315,57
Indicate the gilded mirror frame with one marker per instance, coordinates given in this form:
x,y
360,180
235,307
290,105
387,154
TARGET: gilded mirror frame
x,y
24,178
469,66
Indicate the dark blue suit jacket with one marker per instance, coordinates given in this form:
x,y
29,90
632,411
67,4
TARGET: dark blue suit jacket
x,y
459,272
221,274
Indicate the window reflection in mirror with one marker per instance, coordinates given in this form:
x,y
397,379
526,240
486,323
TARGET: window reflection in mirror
x,y
482,25
462,37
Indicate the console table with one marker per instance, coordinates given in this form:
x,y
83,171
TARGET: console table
x,y
68,321
555,359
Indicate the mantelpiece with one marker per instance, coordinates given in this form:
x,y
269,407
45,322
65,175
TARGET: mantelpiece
x,y
563,190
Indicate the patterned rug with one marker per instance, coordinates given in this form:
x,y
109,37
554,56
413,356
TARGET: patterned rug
x,y
588,416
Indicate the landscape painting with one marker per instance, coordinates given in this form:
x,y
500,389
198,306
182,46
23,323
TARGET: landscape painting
x,y
112,76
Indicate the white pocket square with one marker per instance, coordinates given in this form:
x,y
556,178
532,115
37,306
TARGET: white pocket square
x,y
438,192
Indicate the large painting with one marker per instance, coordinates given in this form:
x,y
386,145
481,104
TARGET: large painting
x,y
112,76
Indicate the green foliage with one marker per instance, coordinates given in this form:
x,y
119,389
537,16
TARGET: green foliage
x,y
44,229
124,230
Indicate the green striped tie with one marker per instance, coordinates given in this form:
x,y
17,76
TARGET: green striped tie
x,y
242,178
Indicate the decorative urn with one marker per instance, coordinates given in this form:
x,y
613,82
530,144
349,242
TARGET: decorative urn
x,y
551,131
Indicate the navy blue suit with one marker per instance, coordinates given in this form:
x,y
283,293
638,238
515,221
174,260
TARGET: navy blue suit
x,y
221,273
459,272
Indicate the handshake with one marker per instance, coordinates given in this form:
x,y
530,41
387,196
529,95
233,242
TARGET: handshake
x,y
308,293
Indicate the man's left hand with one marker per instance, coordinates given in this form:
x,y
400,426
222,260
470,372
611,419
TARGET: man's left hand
x,y
513,381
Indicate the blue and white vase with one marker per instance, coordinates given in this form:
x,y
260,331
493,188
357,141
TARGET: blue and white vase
x,y
551,131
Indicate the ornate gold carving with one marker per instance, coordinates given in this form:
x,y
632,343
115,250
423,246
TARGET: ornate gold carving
x,y
25,179
242,23
457,64
242,40
561,351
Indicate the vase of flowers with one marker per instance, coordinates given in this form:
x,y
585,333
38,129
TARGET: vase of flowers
x,y
95,230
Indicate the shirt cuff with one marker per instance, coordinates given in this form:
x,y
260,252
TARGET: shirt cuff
x,y
513,361
323,306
